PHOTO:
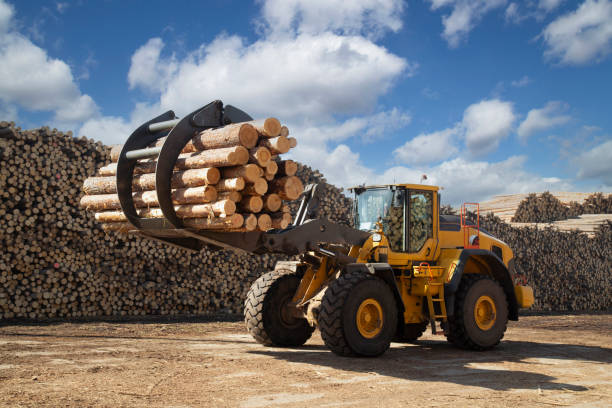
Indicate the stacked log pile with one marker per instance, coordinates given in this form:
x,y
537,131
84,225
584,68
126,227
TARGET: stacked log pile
x,y
228,179
547,208
568,270
57,261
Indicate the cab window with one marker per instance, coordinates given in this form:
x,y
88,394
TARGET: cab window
x,y
420,219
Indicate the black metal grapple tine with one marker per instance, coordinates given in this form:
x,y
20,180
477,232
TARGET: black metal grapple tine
x,y
139,139
209,116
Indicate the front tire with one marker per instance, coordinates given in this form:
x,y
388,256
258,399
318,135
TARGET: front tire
x,y
358,315
481,314
266,314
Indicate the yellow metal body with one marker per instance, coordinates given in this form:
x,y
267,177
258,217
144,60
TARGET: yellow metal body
x,y
420,276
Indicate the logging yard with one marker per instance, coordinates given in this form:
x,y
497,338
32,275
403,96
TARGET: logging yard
x,y
543,361
93,315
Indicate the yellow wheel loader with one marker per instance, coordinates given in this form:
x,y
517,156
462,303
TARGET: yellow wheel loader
x,y
401,268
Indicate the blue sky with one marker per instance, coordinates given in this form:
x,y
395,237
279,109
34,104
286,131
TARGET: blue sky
x,y
485,97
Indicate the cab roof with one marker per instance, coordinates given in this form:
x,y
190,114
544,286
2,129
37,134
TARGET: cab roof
x,y
407,186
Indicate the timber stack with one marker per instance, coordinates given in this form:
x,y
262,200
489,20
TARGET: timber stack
x,y
230,178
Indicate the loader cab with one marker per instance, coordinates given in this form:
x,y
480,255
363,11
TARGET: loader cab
x,y
407,215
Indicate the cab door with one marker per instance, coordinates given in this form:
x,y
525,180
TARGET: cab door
x,y
420,234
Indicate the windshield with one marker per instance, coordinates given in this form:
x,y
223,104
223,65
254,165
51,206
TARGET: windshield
x,y
372,206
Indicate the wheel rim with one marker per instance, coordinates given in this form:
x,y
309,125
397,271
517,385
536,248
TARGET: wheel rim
x,y
369,318
485,312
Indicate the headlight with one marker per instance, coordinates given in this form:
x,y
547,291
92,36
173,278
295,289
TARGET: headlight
x,y
376,237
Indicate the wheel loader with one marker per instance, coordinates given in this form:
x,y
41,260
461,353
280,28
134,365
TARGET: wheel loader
x,y
401,268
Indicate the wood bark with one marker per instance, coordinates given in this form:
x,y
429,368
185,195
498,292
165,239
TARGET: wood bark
x,y
252,204
218,208
218,223
276,145
260,155
271,168
272,202
288,188
258,187
180,179
231,184
250,172
269,127
191,195
264,222
235,196
287,168
284,131
281,220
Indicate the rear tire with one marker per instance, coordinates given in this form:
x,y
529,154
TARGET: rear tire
x,y
358,315
481,314
265,314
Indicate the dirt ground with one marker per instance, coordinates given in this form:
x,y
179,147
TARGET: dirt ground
x,y
543,361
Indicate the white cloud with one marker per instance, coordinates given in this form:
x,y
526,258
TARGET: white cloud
x,y
582,36
486,124
549,5
147,70
62,7
365,17
541,119
457,176
428,148
340,164
6,14
466,14
519,83
596,163
29,78
298,77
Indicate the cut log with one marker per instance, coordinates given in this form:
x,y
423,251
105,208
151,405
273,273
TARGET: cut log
x,y
229,156
218,208
250,222
252,204
258,187
287,168
270,127
276,145
235,196
281,220
288,188
192,195
271,168
264,222
284,131
260,156
292,142
272,202
231,184
180,179
250,172
219,223
237,134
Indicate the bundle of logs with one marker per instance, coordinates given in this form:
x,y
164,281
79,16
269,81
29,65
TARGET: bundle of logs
x,y
548,208
227,179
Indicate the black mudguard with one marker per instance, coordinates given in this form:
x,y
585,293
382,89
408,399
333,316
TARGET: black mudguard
x,y
498,271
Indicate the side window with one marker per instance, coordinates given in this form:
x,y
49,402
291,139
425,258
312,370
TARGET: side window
x,y
393,222
421,219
